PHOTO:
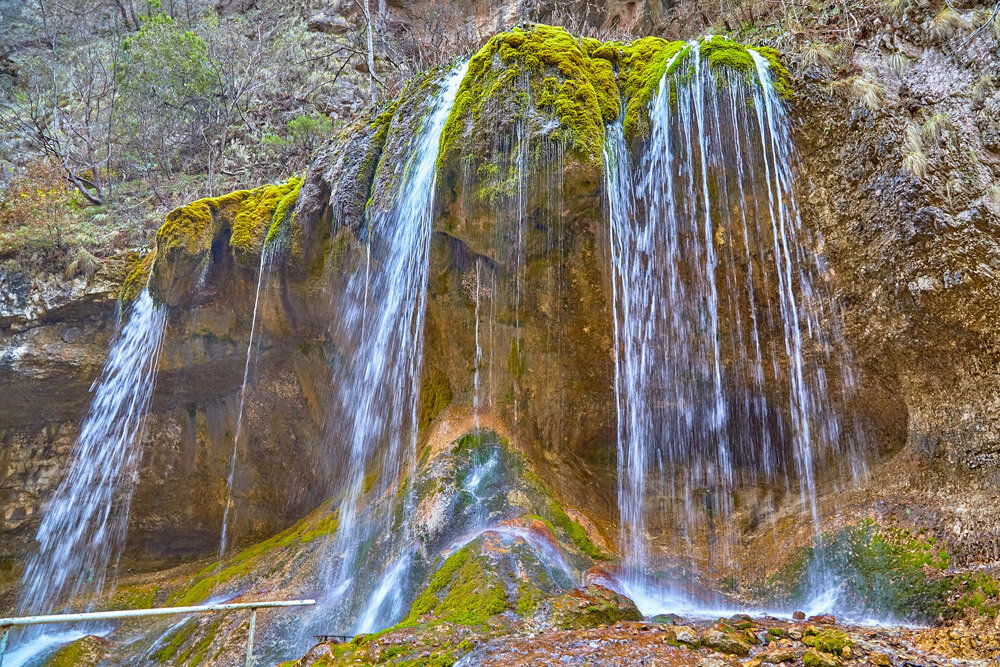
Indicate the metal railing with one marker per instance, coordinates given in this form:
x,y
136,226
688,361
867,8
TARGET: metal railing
x,y
7,623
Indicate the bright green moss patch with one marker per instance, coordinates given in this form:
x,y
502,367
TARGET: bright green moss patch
x,y
557,72
254,218
644,61
137,278
460,592
318,524
721,52
134,597
283,217
978,594
780,78
828,641
84,652
175,640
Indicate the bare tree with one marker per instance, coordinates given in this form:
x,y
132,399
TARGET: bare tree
x,y
371,48
68,115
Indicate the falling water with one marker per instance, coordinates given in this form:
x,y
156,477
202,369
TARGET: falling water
x,y
265,260
722,344
84,524
379,387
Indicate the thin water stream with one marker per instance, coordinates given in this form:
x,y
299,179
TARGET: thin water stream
x,y
379,385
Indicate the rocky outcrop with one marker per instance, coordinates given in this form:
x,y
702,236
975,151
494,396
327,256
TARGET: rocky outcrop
x,y
519,325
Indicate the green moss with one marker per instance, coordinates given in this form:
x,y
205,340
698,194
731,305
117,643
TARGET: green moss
x,y
559,73
645,61
780,78
84,652
460,592
575,532
435,395
828,641
137,278
319,523
515,361
134,597
978,594
816,659
175,640
529,599
254,217
722,52
283,218
886,571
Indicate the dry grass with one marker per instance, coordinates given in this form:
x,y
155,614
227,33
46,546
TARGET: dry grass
x,y
934,127
914,158
946,23
898,63
818,54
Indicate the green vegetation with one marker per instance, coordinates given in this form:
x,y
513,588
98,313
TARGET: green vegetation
x,y
321,522
828,641
581,91
84,652
889,571
460,592
978,594
435,395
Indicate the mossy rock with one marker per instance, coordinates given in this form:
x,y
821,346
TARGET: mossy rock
x,y
590,607
725,642
84,652
220,231
461,591
538,65
828,641
816,659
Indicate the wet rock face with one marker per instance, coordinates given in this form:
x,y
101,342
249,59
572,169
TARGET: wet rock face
x,y
913,258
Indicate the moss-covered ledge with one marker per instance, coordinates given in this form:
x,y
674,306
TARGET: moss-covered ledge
x,y
233,228
535,69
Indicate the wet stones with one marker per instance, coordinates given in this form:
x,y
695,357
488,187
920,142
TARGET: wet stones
x,y
724,642
816,659
592,606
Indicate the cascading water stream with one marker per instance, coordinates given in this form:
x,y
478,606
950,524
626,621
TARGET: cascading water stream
x,y
84,525
722,351
379,388
265,263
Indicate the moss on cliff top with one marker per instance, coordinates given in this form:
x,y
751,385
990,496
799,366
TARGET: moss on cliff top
x,y
248,214
582,91
644,61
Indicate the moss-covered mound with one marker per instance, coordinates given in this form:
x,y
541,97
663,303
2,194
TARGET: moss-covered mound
x,y
84,652
882,571
220,231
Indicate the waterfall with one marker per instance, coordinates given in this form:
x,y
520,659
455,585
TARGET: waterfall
x,y
379,384
84,525
265,262
730,371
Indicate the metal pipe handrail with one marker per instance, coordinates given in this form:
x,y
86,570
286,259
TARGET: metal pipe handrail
x,y
7,623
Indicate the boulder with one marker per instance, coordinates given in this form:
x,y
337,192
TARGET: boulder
x,y
591,606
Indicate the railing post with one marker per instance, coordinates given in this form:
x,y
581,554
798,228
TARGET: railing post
x,y
3,641
253,624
